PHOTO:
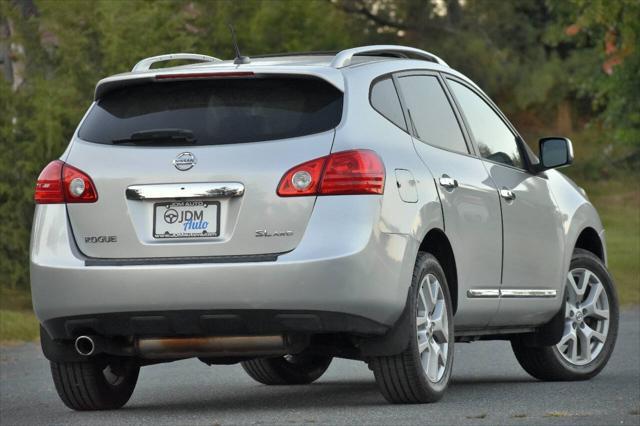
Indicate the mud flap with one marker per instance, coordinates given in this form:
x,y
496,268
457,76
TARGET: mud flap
x,y
394,341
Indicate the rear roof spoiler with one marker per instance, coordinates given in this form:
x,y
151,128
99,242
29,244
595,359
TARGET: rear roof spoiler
x,y
142,72
106,85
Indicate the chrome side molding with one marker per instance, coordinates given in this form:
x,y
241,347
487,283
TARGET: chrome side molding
x,y
184,190
528,293
480,292
510,293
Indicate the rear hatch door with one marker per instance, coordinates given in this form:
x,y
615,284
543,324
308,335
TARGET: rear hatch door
x,y
191,168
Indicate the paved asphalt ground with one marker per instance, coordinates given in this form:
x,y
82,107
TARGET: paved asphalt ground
x,y
488,388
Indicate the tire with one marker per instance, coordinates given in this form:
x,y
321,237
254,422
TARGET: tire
x,y
401,378
561,362
287,370
96,384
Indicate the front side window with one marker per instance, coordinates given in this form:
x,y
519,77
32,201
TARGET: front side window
x,y
430,113
384,99
495,140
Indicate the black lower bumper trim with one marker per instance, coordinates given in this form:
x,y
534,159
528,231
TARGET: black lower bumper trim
x,y
211,323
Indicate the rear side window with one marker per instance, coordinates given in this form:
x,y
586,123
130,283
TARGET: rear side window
x,y
431,114
384,99
214,112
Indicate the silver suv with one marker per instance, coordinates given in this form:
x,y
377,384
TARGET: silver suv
x,y
281,211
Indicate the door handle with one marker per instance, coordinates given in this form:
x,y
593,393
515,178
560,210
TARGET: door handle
x,y
448,183
507,194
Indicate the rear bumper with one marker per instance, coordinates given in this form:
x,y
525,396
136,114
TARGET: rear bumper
x,y
254,322
343,276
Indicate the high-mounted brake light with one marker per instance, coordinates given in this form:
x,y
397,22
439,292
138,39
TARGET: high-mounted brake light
x,y
187,76
341,173
61,183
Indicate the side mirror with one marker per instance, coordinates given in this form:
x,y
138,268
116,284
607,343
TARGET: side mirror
x,y
555,152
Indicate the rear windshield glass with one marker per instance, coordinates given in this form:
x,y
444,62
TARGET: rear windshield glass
x,y
213,112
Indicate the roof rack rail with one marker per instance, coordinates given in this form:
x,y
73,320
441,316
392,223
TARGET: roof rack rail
x,y
145,64
343,58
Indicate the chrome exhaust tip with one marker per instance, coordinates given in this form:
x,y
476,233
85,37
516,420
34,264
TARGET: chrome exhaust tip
x,y
85,345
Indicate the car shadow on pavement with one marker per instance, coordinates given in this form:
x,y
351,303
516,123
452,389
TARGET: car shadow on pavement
x,y
493,380
328,393
259,397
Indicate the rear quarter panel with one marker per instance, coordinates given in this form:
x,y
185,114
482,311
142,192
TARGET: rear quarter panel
x,y
363,127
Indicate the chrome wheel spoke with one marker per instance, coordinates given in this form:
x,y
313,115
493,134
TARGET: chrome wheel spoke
x,y
422,320
584,283
590,308
573,348
576,291
435,358
423,345
433,290
568,334
423,304
440,329
584,337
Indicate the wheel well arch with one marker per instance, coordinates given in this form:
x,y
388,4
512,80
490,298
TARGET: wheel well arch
x,y
437,244
590,241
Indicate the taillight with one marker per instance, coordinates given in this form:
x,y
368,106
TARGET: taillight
x,y
61,183
341,173
49,185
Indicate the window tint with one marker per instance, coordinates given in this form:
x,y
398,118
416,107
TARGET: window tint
x,y
495,140
220,111
384,99
431,113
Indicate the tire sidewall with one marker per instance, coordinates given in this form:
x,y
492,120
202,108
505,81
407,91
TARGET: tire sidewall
x,y
586,260
427,264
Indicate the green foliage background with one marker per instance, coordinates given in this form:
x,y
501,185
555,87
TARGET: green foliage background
x,y
543,61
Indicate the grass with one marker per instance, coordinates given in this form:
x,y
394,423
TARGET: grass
x,y
17,321
617,201
557,414
17,326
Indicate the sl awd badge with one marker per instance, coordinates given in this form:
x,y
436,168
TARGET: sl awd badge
x,y
185,161
264,233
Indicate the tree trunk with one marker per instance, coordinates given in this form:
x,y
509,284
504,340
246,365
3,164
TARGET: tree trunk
x,y
564,123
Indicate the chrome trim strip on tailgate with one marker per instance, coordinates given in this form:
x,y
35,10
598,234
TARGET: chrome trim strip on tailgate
x,y
185,190
244,258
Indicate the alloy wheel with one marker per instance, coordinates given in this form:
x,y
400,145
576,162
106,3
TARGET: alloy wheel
x,y
432,328
586,317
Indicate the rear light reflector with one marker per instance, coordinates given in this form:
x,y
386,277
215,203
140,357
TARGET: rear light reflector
x,y
78,186
61,183
341,173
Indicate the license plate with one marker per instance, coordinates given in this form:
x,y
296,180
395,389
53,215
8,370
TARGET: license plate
x,y
186,219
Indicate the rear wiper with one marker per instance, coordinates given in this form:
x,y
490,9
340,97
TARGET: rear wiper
x,y
176,136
